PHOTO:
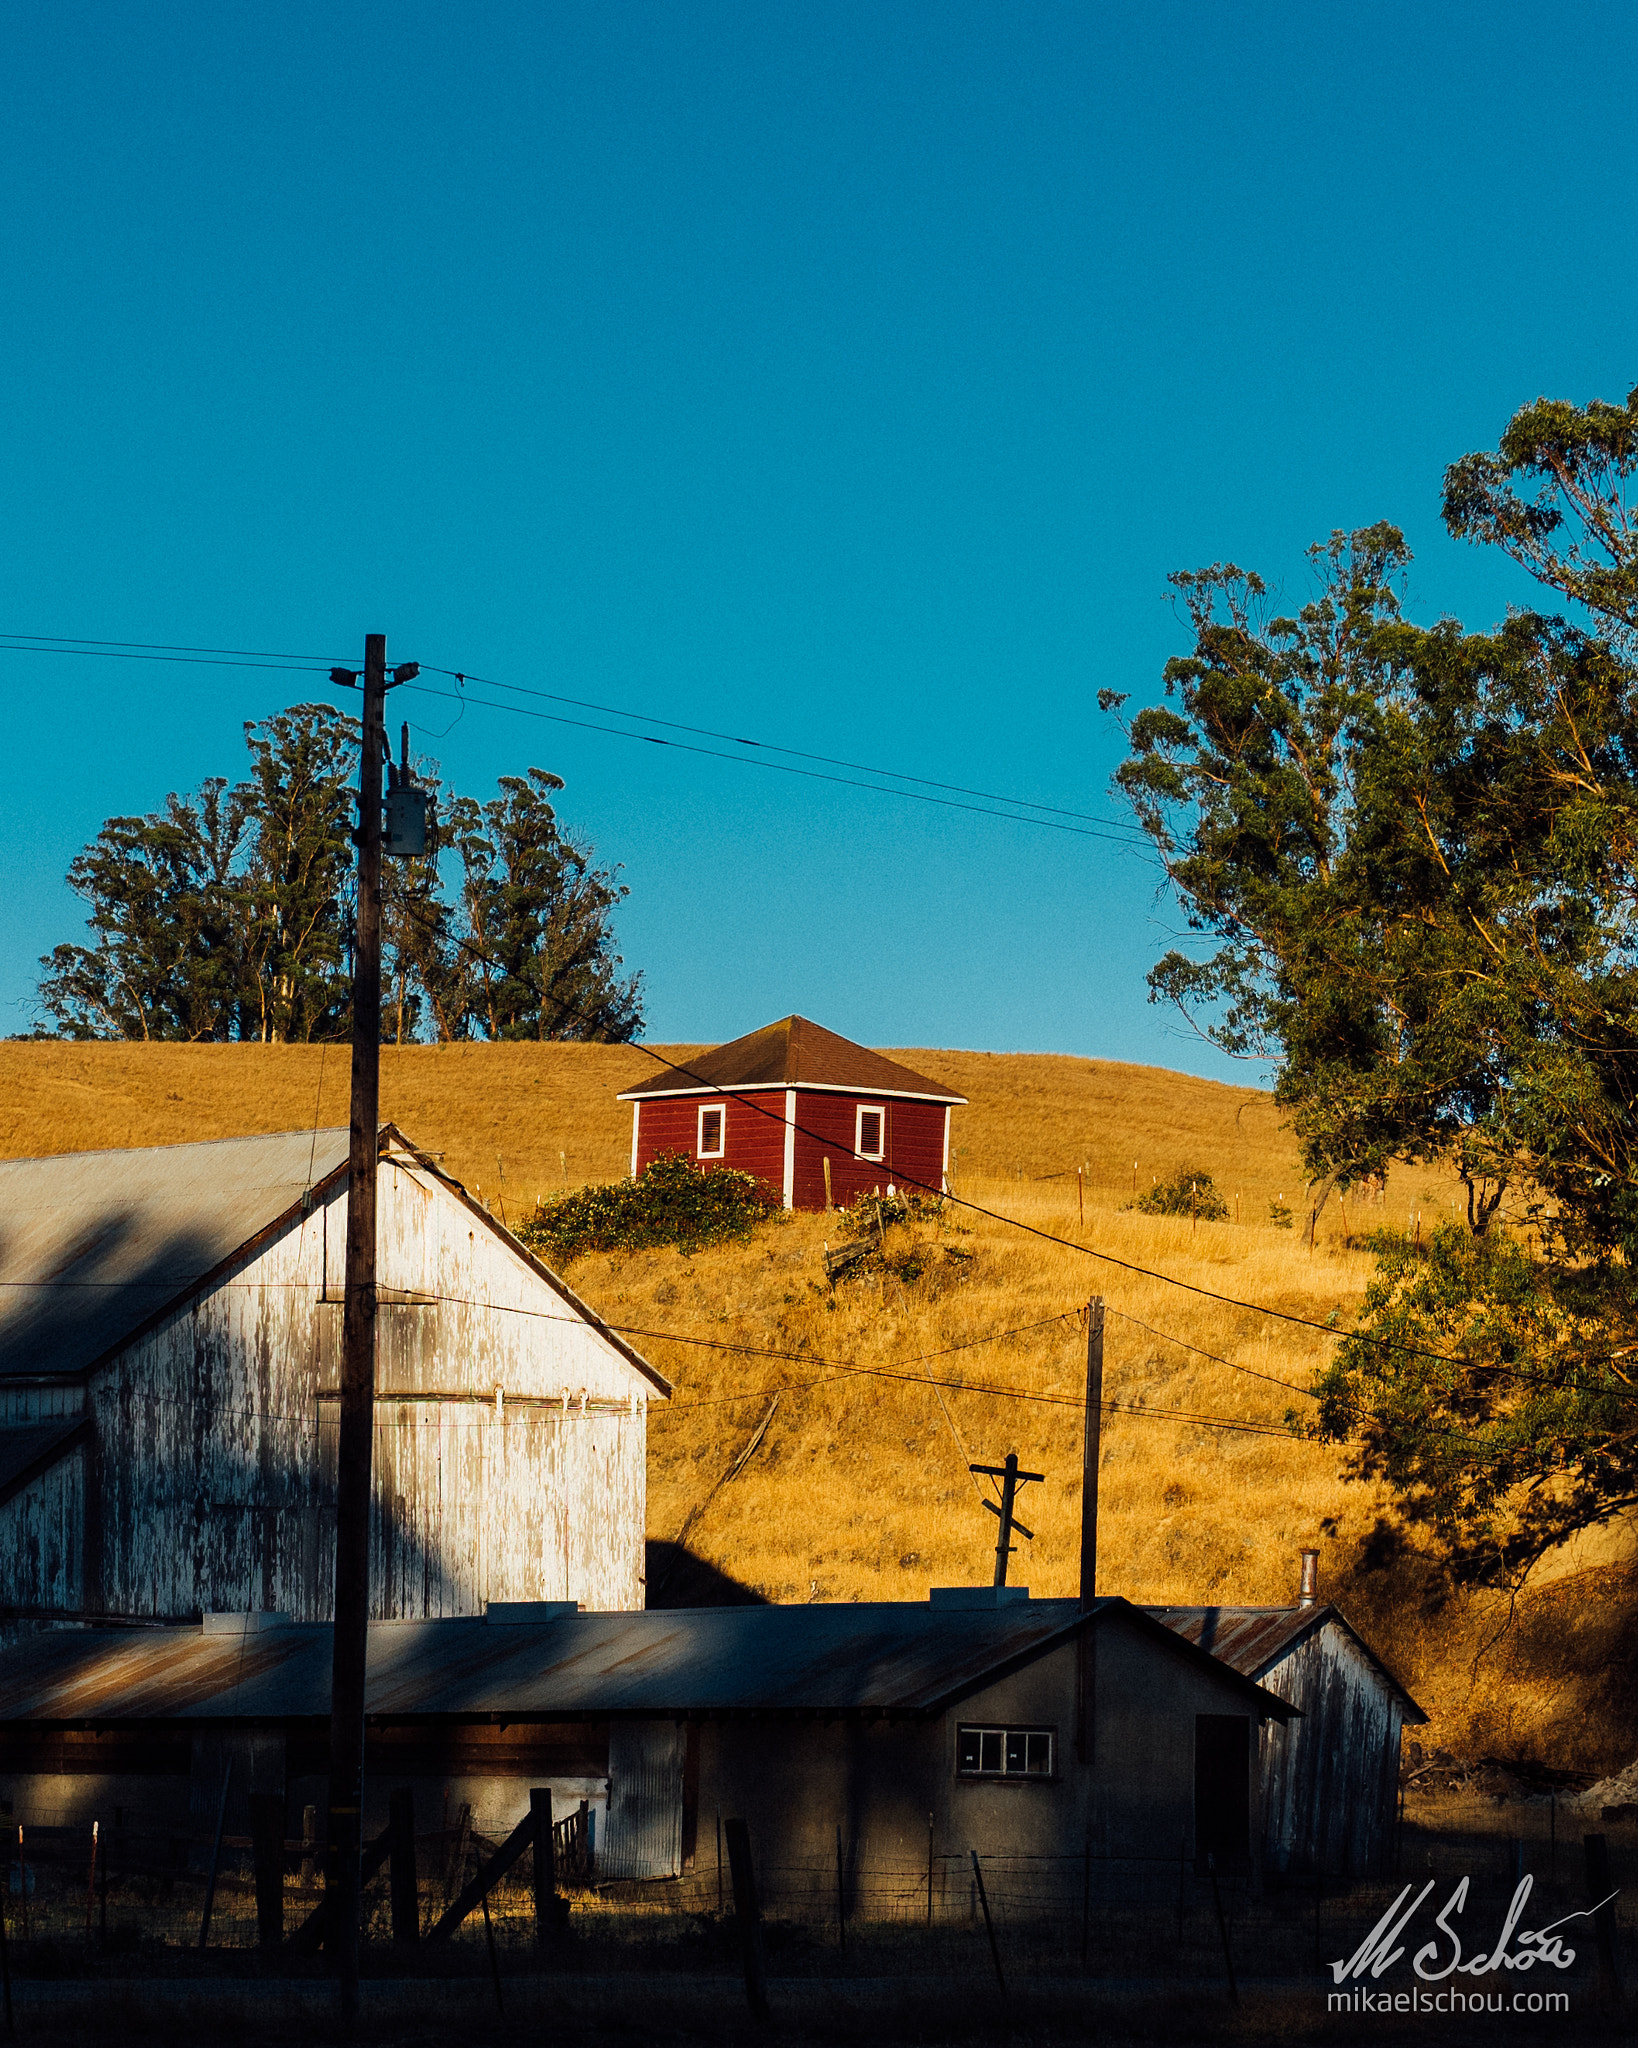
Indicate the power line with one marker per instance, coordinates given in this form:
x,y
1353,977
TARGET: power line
x,y
995,1215
1115,831
464,676
165,647
283,668
775,767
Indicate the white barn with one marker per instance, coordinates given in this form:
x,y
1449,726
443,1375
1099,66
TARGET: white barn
x,y
170,1327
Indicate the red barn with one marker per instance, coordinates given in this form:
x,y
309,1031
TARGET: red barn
x,y
784,1100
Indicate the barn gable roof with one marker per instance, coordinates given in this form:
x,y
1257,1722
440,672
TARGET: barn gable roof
x,y
95,1247
95,1244
794,1053
868,1657
1255,1639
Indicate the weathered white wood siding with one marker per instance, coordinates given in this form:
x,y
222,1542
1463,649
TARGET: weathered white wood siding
x,y
1330,1780
42,1530
216,1441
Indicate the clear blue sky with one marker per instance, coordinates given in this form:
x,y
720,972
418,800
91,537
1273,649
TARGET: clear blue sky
x,y
849,376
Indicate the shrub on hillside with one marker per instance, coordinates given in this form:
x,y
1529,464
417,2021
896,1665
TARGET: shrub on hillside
x,y
1189,1192
672,1202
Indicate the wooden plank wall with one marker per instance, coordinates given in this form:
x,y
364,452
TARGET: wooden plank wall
x,y
216,1443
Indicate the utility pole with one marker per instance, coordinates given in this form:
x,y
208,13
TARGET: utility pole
x,y
1090,1446
355,1434
1011,1479
1086,1666
356,1429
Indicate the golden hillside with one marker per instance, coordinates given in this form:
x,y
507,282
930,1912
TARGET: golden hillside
x,y
857,1487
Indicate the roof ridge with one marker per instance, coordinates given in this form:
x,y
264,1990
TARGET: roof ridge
x,y
178,1145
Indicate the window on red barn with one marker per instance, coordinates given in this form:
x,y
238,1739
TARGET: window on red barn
x,y
713,1128
870,1135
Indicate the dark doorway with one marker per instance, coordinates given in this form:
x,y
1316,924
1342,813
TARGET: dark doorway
x,y
1222,1784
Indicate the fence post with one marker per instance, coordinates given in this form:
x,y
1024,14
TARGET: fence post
x,y
215,1856
267,1861
989,1924
401,1872
494,1960
548,1916
929,1870
841,1897
747,1915
1600,1897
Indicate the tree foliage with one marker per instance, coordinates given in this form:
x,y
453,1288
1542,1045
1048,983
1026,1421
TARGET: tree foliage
x,y
1413,854
229,914
671,1202
1191,1191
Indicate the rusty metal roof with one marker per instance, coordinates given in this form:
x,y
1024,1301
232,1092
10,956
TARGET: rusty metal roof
x,y
898,1658
94,1244
794,1053
1253,1640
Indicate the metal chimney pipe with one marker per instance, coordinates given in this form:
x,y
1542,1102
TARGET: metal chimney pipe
x,y
1310,1579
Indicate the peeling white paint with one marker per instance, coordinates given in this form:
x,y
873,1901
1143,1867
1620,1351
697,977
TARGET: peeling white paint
x,y
215,1441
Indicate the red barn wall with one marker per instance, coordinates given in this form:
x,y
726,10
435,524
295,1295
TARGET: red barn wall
x,y
754,1140
914,1147
826,1125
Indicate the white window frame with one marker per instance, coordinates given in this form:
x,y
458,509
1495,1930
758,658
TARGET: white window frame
x,y
1005,1734
860,1112
706,1109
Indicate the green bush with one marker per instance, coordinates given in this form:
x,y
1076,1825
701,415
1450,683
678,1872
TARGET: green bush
x,y
672,1202
1189,1192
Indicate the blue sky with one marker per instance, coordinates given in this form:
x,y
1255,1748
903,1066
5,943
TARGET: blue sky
x,y
845,376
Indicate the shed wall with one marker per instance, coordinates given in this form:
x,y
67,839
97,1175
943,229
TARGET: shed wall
x,y
914,1148
796,1783
42,1539
754,1141
1330,1780
826,1127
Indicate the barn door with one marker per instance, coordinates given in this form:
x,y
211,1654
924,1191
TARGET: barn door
x,y
643,1837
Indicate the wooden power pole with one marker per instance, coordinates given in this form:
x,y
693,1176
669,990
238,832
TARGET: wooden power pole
x,y
1011,1479
1086,1664
1090,1445
355,1433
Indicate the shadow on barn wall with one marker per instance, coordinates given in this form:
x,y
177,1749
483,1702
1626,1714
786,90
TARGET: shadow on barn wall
x,y
677,1578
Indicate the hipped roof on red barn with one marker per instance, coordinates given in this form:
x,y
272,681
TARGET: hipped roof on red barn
x,y
794,1053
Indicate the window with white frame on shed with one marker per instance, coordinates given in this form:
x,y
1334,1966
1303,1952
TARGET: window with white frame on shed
x,y
1004,1752
869,1131
712,1140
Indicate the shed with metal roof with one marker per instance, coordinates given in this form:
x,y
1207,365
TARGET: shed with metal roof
x,y
817,1117
169,1336
1330,1777
1030,1728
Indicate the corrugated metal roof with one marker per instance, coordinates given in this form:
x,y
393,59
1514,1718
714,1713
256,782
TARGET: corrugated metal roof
x,y
879,1657
1254,1639
794,1053
92,1244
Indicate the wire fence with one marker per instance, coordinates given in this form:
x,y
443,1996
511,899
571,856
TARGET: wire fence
x,y
134,1901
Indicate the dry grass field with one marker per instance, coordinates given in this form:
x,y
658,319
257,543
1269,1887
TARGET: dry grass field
x,y
858,1486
